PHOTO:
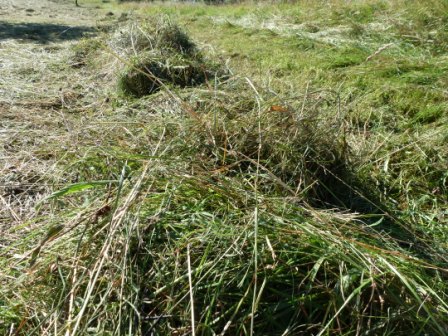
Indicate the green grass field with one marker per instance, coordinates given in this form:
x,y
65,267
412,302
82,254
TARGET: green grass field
x,y
244,169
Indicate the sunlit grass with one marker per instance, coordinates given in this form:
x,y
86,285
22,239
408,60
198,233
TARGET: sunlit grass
x,y
301,191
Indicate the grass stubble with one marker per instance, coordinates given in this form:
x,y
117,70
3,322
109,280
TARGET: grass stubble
x,y
219,206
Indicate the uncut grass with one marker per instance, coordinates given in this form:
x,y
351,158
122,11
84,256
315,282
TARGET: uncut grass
x,y
206,181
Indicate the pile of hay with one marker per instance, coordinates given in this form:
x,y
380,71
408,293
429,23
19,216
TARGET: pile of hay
x,y
158,54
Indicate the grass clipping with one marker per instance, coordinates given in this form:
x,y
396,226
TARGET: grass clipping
x,y
216,230
158,54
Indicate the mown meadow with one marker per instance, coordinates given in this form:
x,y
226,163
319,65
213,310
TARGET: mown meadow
x,y
253,168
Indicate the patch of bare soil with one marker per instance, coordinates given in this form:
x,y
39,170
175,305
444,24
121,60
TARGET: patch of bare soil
x,y
41,97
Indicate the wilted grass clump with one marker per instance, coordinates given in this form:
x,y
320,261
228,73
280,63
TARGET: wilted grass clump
x,y
148,72
292,270
299,150
157,55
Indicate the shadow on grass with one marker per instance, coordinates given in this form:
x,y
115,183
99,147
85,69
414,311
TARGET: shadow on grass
x,y
345,191
42,32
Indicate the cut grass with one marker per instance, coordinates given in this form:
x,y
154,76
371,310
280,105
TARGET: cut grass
x,y
306,197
